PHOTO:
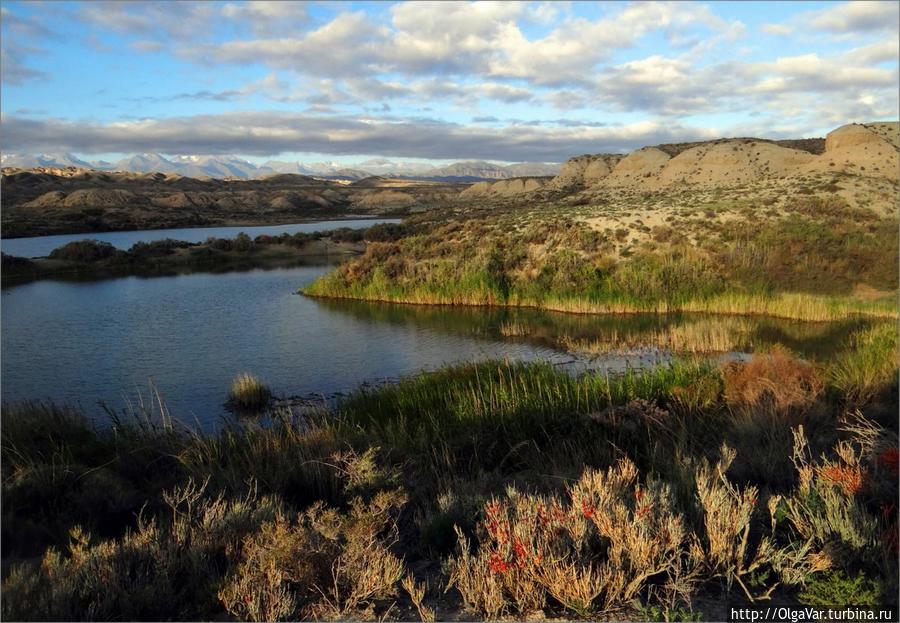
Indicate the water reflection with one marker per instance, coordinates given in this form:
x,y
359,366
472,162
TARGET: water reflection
x,y
80,341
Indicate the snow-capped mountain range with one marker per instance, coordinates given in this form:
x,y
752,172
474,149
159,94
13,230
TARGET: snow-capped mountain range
x,y
231,166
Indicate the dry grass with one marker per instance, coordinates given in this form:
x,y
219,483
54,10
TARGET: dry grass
x,y
593,552
579,497
775,379
249,393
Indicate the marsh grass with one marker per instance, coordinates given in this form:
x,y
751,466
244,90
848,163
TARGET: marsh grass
x,y
516,401
249,393
709,335
472,290
869,366
325,515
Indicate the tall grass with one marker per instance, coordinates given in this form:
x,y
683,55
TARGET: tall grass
x,y
869,366
249,393
794,306
146,519
494,413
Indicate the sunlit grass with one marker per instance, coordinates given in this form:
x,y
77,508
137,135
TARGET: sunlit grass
x,y
248,392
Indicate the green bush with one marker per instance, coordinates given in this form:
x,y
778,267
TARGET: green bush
x,y
85,251
836,589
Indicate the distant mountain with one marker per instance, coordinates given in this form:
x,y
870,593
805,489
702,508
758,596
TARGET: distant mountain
x,y
473,169
489,171
43,160
146,163
532,169
218,167
388,168
230,166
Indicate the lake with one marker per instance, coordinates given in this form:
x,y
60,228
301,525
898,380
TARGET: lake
x,y
41,246
83,341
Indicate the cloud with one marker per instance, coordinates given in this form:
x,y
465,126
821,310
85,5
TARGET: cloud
x,y
667,86
267,16
14,71
21,38
779,30
270,133
857,17
25,26
145,45
346,46
175,20
469,39
810,73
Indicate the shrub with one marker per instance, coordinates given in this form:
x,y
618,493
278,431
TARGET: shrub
x,y
324,565
596,551
834,589
385,232
773,379
161,570
826,508
249,393
242,243
84,251
157,248
12,263
346,234
725,547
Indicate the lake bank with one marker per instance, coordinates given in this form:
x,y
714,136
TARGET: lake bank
x,y
41,246
518,475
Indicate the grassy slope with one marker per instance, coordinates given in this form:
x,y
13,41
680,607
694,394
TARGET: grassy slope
x,y
814,259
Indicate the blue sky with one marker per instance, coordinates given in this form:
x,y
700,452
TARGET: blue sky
x,y
435,81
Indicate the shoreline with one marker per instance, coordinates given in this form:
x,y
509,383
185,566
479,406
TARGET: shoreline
x,y
694,307
275,223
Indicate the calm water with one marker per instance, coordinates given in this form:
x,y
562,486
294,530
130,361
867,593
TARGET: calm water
x,y
80,342
41,246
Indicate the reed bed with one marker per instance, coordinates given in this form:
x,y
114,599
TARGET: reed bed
x,y
792,306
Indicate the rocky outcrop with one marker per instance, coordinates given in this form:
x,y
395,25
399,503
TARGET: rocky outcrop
x,y
737,161
585,170
637,167
505,188
862,149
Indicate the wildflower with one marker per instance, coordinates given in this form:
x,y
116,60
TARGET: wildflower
x,y
586,509
497,564
847,478
519,549
492,510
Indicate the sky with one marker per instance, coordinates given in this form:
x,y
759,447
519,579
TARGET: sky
x,y
435,81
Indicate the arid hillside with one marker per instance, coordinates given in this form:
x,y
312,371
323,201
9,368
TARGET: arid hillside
x,y
71,200
862,150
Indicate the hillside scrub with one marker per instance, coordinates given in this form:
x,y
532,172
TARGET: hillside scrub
x,y
516,487
804,265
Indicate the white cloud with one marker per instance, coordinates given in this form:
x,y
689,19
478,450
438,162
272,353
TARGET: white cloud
x,y
858,16
267,16
178,20
14,71
779,30
267,133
